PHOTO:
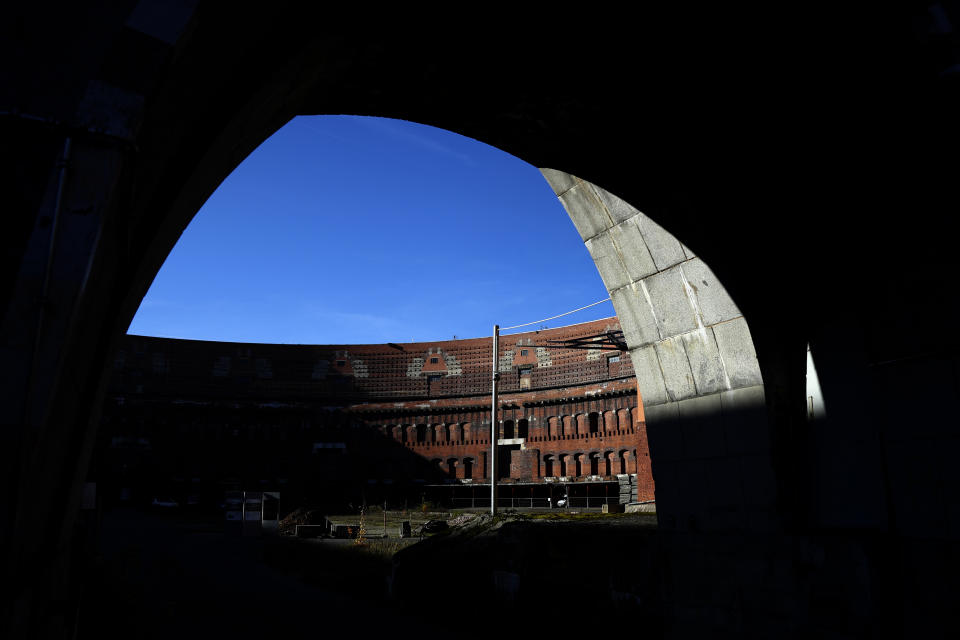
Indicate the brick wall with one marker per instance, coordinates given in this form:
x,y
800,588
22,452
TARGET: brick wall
x,y
580,402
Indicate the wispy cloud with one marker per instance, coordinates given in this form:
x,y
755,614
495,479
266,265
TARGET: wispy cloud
x,y
387,126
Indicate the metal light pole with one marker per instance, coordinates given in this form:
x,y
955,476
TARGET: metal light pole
x,y
494,427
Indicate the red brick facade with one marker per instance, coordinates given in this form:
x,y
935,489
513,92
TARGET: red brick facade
x,y
568,415
604,434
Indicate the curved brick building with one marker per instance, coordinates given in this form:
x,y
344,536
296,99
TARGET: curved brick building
x,y
379,422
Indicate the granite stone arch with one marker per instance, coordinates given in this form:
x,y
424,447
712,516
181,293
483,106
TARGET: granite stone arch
x,y
697,371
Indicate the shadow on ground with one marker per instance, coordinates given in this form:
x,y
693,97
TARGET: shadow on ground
x,y
159,576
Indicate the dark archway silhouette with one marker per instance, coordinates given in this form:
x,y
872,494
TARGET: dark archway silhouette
x,y
159,111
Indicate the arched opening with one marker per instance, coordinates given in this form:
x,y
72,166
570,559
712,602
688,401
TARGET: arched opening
x,y
452,468
548,463
623,461
594,464
608,463
523,428
666,394
421,433
578,464
468,468
563,463
508,429
594,422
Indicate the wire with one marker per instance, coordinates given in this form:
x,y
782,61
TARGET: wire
x,y
517,326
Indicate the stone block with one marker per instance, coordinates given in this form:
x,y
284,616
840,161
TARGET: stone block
x,y
702,425
585,211
608,260
618,209
736,350
646,367
665,249
705,363
745,420
632,249
673,310
559,181
663,433
715,303
636,315
677,376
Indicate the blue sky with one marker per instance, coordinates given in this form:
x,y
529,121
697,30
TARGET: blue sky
x,y
348,230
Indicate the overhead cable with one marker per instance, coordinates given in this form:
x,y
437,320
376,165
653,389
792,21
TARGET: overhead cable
x,y
517,326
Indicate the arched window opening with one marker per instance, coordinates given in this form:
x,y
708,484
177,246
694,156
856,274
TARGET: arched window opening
x,y
468,468
608,463
594,464
548,466
421,433
594,422
523,427
563,464
508,429
452,468
623,461
578,464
